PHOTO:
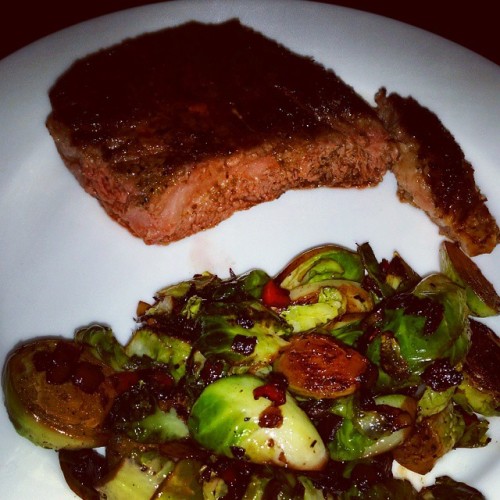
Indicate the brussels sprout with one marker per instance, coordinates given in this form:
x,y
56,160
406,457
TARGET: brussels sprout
x,y
104,345
480,388
230,420
57,394
309,316
244,334
165,349
319,302
355,299
141,413
136,477
347,329
482,298
387,489
319,264
388,278
369,432
432,402
446,487
416,329
183,483
319,366
432,438
82,469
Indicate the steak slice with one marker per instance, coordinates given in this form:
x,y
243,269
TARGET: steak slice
x,y
175,130
433,174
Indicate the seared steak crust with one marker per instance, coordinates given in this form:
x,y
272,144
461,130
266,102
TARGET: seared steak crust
x,y
433,174
175,130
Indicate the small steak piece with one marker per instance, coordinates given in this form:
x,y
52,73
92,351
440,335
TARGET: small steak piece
x,y
433,174
175,130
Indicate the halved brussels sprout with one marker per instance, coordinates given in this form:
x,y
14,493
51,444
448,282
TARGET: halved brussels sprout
x,y
244,334
319,264
368,432
57,394
319,366
230,419
482,298
432,438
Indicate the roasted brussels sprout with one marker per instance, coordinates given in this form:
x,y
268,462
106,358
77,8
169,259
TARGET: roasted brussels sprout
x,y
480,389
232,419
482,298
57,394
307,385
165,349
411,330
369,431
433,437
318,366
319,264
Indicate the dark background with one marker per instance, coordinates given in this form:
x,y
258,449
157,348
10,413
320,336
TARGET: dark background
x,y
472,24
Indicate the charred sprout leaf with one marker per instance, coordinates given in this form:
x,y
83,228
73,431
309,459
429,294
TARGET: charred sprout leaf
x,y
480,389
369,432
319,264
475,433
228,418
387,278
399,275
104,345
446,488
40,375
164,349
319,366
82,470
374,270
136,477
431,439
482,298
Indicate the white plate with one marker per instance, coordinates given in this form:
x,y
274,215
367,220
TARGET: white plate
x,y
64,263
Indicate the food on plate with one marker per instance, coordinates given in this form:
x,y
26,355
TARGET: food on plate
x,y
482,298
434,175
173,131
58,394
307,384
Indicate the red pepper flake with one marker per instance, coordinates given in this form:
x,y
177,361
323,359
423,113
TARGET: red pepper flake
x,y
275,296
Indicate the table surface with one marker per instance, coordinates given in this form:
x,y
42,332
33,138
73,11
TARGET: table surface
x,y
472,25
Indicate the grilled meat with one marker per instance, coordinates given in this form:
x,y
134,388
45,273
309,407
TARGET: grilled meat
x,y
174,131
433,174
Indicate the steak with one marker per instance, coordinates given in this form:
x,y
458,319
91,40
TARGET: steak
x,y
433,174
175,130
